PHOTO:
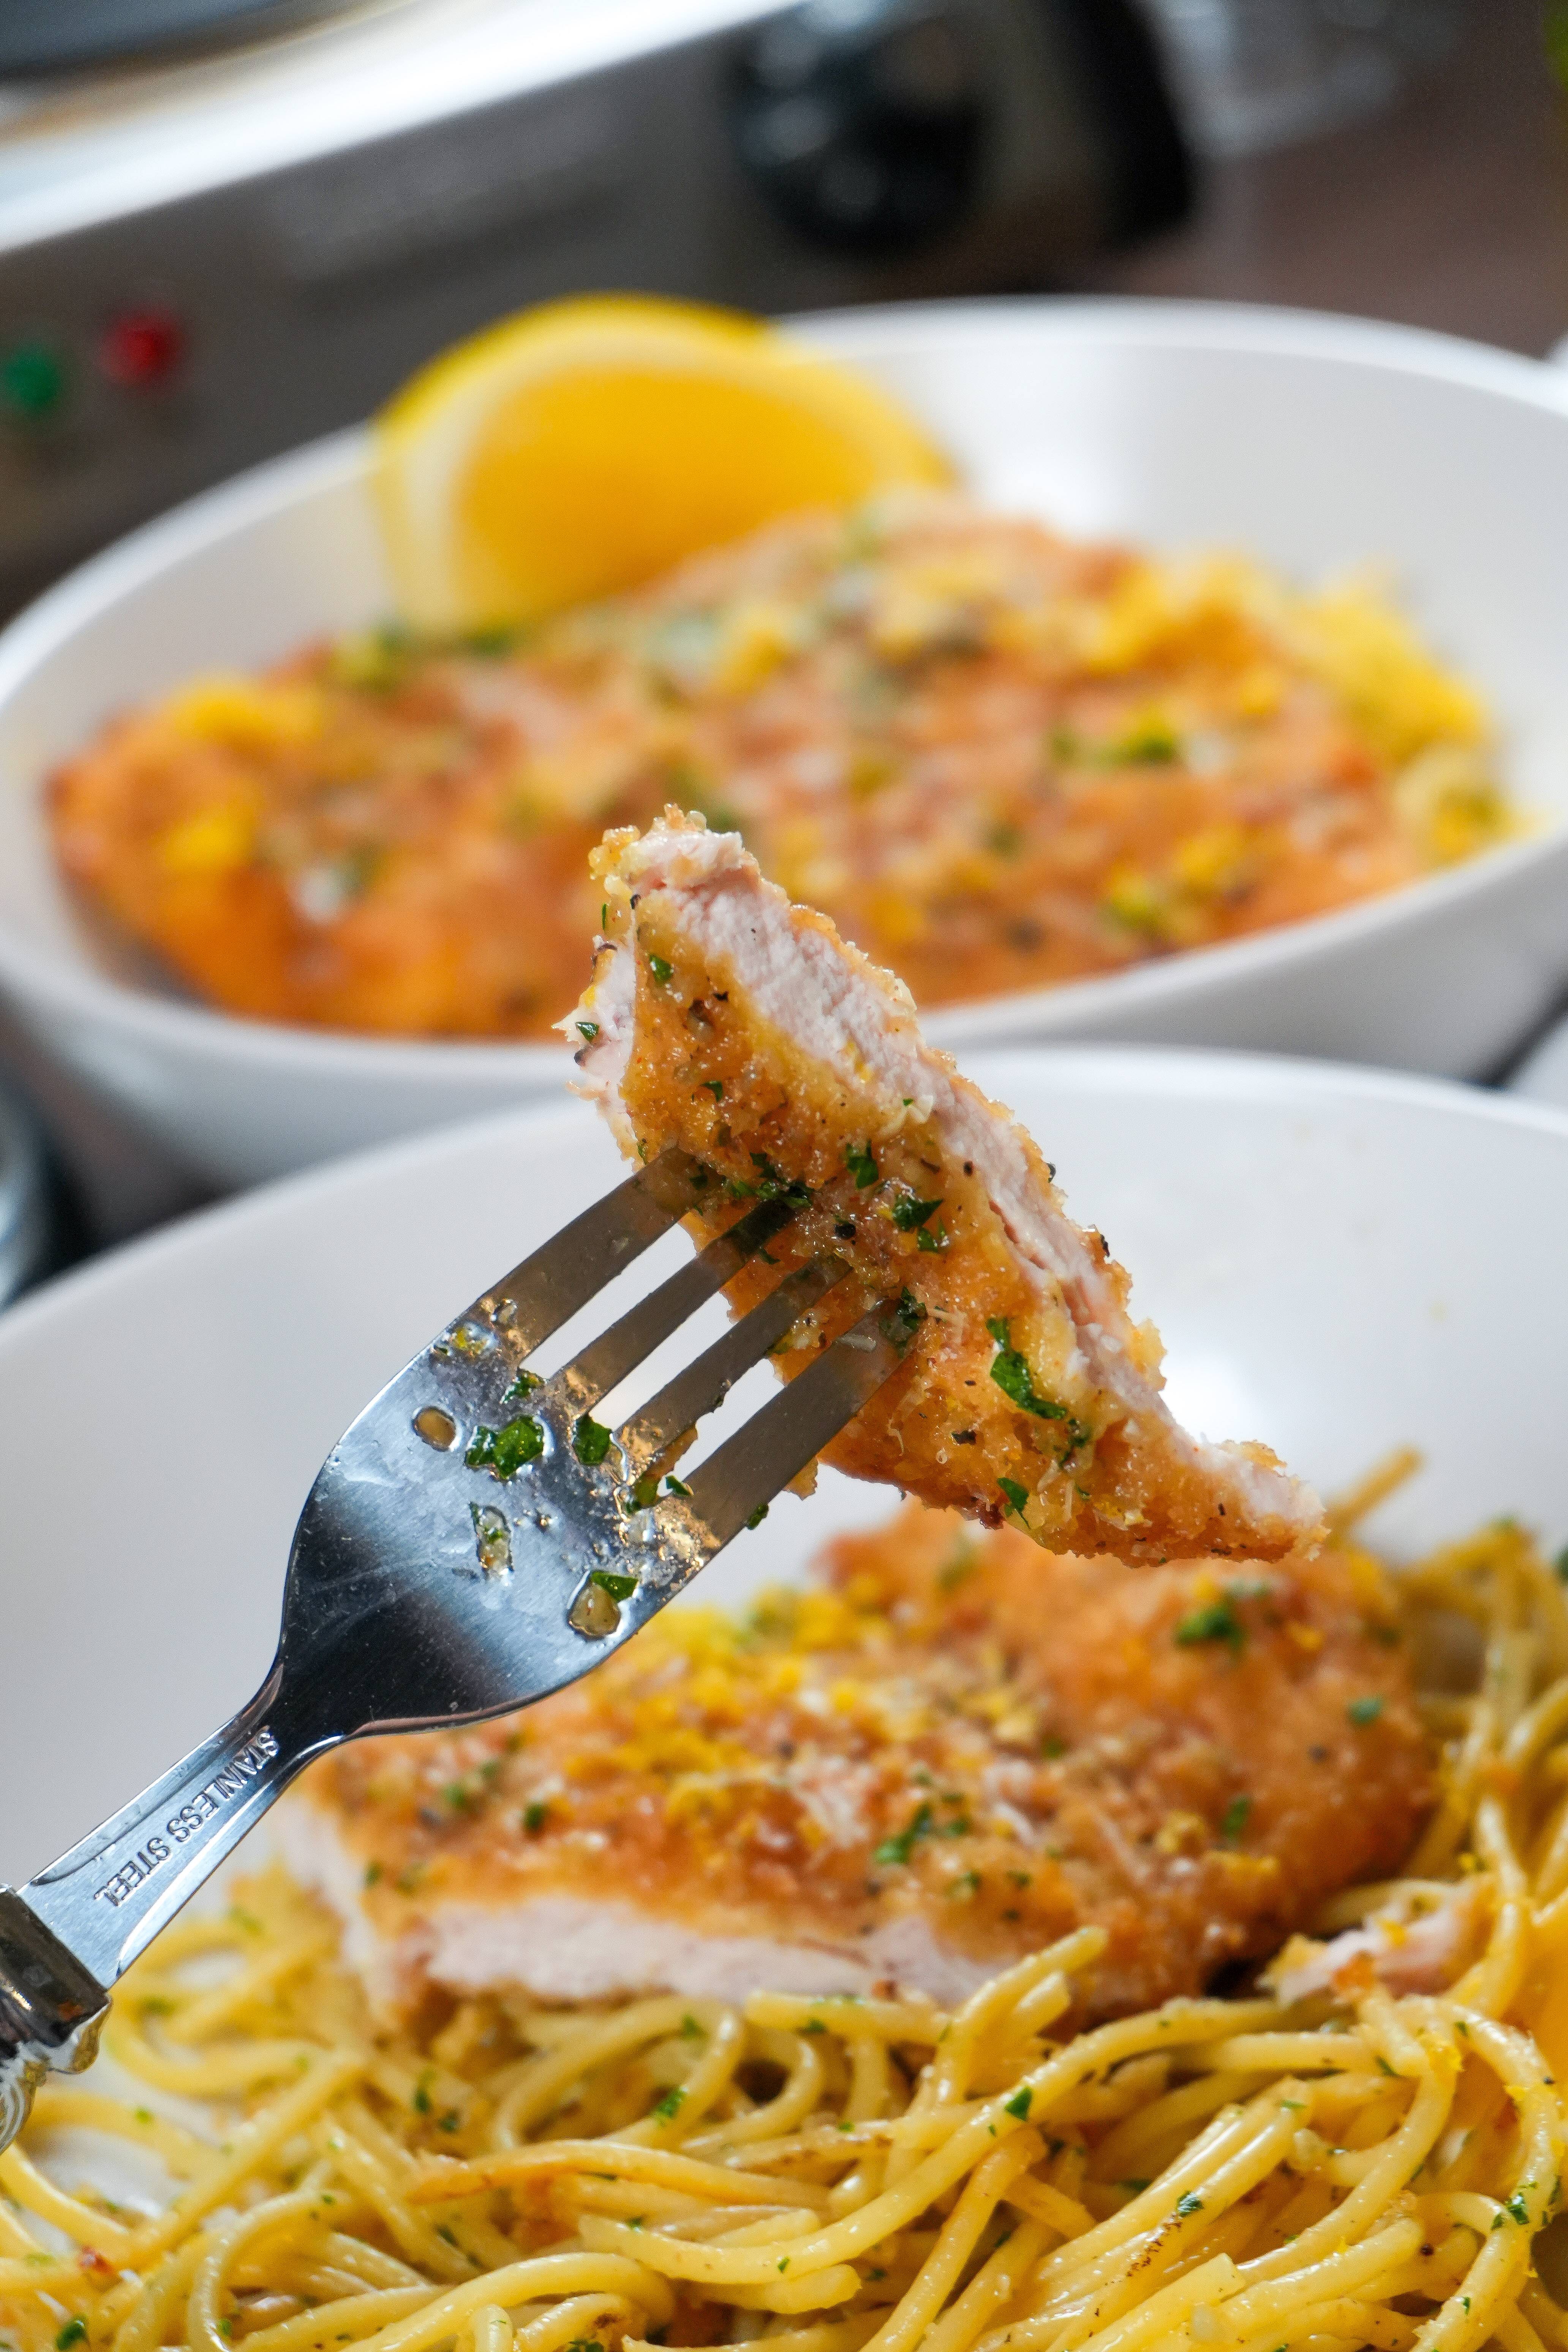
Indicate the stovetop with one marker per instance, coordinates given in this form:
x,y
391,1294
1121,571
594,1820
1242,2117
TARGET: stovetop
x,y
115,136
46,37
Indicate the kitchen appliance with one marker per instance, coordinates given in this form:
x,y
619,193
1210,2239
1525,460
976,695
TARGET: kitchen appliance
x,y
226,226
1252,74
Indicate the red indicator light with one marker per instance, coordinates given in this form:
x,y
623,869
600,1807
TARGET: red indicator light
x,y
142,348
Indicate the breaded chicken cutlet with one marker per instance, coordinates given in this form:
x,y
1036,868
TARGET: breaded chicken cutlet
x,y
999,758
722,1020
942,1752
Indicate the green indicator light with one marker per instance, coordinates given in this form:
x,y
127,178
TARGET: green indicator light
x,y
32,380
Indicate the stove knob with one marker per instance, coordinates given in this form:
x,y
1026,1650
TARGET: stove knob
x,y
862,121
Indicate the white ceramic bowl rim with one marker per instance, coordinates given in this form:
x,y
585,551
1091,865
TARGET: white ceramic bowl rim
x,y
1169,1072
84,992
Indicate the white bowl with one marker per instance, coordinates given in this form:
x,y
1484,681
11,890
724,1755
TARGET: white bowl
x,y
1315,443
1341,1263
1542,1075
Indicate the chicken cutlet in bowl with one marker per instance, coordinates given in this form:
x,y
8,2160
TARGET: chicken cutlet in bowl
x,y
947,1752
998,758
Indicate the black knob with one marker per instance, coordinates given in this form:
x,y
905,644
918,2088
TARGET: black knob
x,y
862,121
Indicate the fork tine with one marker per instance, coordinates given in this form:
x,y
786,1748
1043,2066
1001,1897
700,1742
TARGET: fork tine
x,y
703,1383
547,1289
734,1486
624,1345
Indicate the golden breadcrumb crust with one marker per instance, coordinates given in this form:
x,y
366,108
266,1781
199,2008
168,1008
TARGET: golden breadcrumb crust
x,y
998,1409
1004,1741
997,759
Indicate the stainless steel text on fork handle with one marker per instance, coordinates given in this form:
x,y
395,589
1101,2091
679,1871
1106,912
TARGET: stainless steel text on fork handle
x,y
440,1565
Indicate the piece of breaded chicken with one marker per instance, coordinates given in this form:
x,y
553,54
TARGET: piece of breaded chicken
x,y
945,1751
726,1021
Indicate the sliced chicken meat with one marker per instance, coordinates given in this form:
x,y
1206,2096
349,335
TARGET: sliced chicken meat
x,y
723,1019
944,1750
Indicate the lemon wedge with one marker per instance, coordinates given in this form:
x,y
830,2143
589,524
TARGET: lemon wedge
x,y
581,448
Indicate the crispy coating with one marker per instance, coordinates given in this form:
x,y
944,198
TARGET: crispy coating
x,y
997,759
723,1021
999,1743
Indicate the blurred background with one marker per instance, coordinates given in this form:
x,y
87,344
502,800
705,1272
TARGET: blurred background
x,y
228,225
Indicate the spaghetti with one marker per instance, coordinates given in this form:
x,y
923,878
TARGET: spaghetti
x,y
1362,2167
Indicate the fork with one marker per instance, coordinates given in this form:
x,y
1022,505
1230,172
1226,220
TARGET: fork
x,y
473,1543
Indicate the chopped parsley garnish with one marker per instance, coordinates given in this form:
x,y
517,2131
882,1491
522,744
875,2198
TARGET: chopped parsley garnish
x,y
619,1587
502,1451
934,1238
1363,1711
588,1029
773,1185
899,1849
1215,1622
534,1817
1013,1377
1233,1821
691,2031
662,969
906,1318
500,637
958,1567
73,2332
758,1516
1022,2100
861,1165
670,2107
1561,1563
590,1441
422,2095
1017,1495
715,1088
965,1888
525,1385
908,1214
673,1485
1150,744
1188,2205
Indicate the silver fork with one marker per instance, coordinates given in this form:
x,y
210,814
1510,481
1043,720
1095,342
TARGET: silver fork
x,y
473,1543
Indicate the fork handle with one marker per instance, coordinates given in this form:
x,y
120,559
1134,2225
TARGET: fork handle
x,y
50,2011
73,1930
